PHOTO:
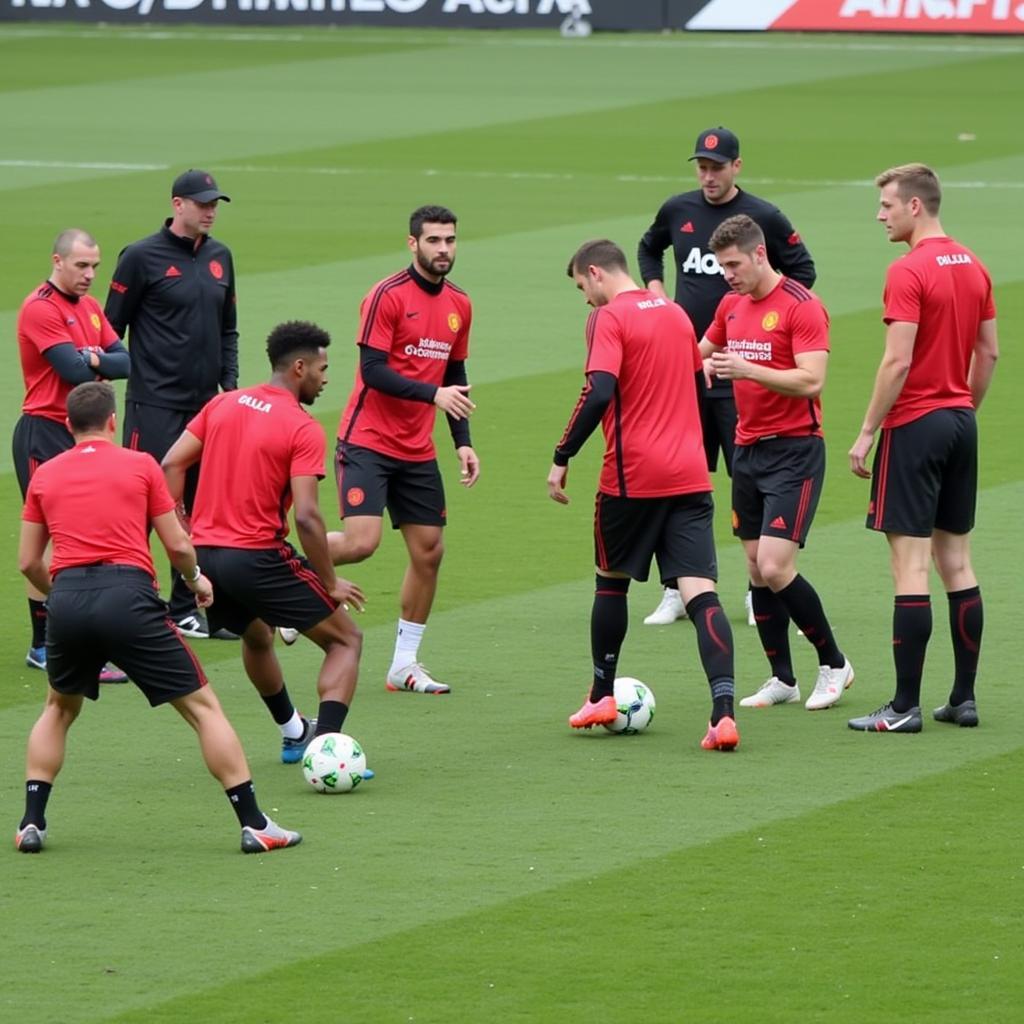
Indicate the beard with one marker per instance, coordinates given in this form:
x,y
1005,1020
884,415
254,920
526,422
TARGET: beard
x,y
431,267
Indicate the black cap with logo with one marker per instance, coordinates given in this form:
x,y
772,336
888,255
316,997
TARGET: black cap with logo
x,y
197,185
717,144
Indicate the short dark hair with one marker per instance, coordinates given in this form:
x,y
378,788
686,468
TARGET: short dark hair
x,y
429,215
914,180
90,406
599,252
292,339
741,231
65,241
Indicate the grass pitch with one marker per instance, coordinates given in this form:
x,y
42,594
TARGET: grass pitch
x,y
500,867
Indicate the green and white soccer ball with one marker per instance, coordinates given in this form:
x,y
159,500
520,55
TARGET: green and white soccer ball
x,y
635,703
334,763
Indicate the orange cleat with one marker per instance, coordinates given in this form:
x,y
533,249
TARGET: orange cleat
x,y
594,713
724,736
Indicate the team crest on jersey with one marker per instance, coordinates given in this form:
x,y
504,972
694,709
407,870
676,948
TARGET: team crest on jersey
x,y
454,322
95,320
770,321
216,269
355,496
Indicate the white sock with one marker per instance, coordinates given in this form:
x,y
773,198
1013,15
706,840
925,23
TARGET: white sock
x,y
294,727
407,644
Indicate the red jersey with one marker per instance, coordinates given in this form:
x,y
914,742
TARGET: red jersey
x,y
97,502
254,442
421,327
944,289
774,330
653,441
48,317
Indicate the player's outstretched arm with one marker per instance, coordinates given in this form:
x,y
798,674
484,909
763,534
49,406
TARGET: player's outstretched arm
x,y
182,556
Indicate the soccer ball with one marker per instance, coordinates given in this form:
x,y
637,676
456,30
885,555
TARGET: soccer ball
x,y
334,763
635,701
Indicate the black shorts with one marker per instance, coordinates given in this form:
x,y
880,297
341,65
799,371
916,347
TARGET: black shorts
x,y
276,585
153,429
37,440
718,422
369,482
925,475
677,531
102,613
776,485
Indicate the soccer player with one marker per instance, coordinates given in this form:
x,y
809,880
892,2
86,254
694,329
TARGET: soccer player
x,y
685,223
97,502
261,451
770,338
63,340
173,292
941,348
413,342
654,493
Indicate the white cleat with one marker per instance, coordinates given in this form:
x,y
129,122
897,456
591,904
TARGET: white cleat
x,y
288,635
415,678
774,691
830,685
669,609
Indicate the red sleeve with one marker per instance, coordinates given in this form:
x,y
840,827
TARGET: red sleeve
x,y
460,350
377,317
808,327
160,500
42,324
604,342
197,425
989,312
901,299
309,451
33,510
716,332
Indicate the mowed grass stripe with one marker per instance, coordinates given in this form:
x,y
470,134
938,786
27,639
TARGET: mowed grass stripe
x,y
844,912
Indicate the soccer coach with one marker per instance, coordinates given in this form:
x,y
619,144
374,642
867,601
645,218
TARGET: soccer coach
x,y
174,294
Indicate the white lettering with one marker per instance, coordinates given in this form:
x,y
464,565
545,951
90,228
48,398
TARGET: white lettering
x,y
514,6
429,348
751,349
950,259
697,262
933,10
254,403
651,303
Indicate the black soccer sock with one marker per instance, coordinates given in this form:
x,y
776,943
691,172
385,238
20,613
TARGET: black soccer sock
x,y
714,642
772,620
331,716
37,793
243,801
966,623
609,621
911,630
37,616
280,706
804,607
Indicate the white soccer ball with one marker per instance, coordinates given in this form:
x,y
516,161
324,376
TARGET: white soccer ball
x,y
334,763
635,702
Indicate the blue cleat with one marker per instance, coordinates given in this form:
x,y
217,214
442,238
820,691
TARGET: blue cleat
x,y
368,773
36,658
292,750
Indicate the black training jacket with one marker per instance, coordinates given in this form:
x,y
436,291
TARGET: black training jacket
x,y
177,304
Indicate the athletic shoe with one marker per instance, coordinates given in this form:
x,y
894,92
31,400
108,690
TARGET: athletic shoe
x,y
30,839
669,609
748,603
774,691
36,658
270,837
415,679
368,773
830,685
288,635
724,736
887,720
964,715
197,627
292,750
599,712
112,674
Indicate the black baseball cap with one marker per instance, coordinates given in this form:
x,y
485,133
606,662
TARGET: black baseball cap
x,y
197,185
717,144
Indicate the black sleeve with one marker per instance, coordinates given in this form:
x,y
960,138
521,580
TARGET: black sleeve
x,y
69,363
229,339
455,373
650,251
594,399
115,363
373,365
786,250
126,288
